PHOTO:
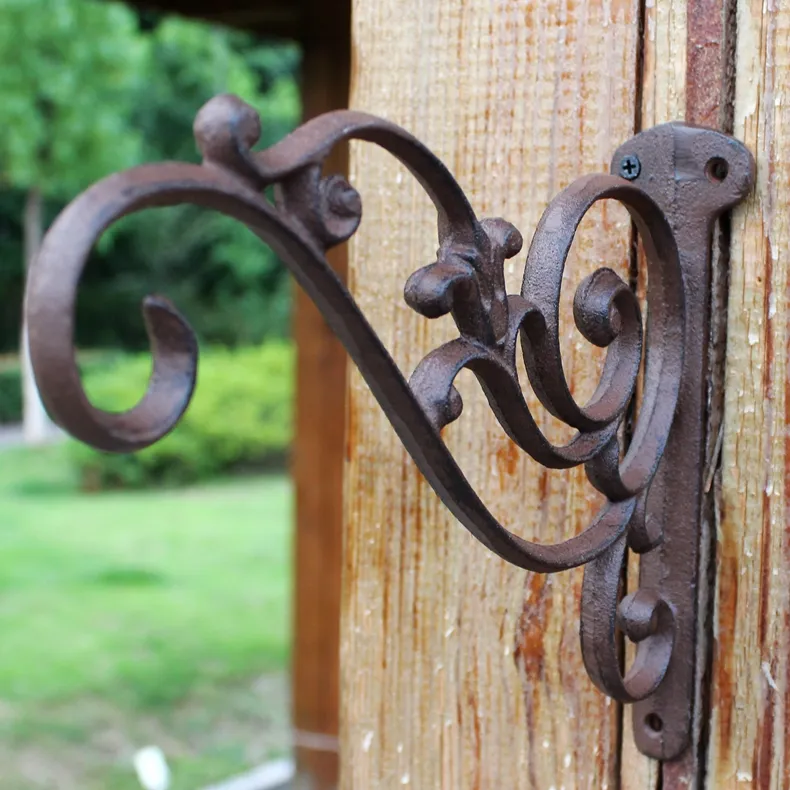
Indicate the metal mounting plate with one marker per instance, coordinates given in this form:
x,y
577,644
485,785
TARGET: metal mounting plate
x,y
693,175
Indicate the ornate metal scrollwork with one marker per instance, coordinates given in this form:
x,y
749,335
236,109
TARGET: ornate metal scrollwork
x,y
673,200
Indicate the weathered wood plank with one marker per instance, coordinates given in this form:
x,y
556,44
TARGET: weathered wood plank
x,y
664,62
751,668
459,671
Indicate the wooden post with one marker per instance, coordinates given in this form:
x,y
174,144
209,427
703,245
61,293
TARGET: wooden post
x,y
319,450
458,670
742,727
749,728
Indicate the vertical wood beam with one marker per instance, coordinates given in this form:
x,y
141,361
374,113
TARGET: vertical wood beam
x,y
460,671
319,449
750,730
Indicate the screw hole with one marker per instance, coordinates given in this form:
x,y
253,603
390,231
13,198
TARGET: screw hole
x,y
717,170
654,722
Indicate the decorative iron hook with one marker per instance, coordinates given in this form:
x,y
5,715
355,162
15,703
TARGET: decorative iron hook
x,y
673,196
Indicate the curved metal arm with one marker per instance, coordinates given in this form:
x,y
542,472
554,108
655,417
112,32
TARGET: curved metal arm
x,y
312,213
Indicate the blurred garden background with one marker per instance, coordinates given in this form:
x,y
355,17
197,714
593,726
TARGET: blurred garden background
x,y
143,599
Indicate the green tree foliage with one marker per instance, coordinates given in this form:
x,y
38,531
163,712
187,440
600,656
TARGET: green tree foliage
x,y
232,288
71,72
93,89
65,98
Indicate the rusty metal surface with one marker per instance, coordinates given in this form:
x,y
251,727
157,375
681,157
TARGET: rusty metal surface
x,y
673,182
695,175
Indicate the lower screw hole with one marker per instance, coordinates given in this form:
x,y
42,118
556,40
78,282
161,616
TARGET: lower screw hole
x,y
654,722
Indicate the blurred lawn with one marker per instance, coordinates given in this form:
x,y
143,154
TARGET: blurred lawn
x,y
136,618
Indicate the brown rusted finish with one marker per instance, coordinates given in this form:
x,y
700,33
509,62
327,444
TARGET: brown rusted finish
x,y
695,175
686,177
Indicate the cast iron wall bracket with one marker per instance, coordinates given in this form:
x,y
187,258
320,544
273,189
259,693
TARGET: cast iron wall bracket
x,y
675,180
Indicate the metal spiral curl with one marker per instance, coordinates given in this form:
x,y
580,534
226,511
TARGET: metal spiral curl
x,y
311,213
643,616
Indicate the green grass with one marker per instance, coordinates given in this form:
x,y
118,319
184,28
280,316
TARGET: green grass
x,y
130,618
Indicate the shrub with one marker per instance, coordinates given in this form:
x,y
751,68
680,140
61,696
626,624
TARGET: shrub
x,y
239,419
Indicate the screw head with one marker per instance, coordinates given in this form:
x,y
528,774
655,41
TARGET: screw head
x,y
630,167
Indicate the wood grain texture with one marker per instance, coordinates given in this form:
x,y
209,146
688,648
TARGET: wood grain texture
x,y
751,669
665,61
459,671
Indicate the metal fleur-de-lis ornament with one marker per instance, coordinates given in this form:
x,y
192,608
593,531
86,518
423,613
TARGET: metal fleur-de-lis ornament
x,y
675,180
